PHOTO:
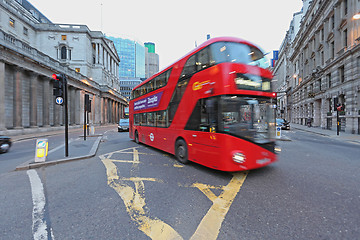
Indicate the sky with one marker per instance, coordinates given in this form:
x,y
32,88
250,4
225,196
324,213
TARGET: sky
x,y
176,26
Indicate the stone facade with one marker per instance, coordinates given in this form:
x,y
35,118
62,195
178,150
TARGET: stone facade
x,y
31,50
323,67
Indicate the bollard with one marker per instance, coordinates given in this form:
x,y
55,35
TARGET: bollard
x,y
41,150
278,132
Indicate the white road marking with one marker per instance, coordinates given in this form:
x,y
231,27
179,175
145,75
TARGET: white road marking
x,y
39,226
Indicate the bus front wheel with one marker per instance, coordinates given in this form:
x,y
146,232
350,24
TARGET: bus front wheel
x,y
136,137
181,151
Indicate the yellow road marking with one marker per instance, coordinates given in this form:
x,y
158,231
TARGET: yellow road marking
x,y
210,225
134,200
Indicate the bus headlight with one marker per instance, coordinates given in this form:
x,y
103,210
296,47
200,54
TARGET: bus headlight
x,y
239,157
277,149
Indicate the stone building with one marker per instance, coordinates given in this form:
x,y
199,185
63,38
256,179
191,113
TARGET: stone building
x,y
324,66
31,50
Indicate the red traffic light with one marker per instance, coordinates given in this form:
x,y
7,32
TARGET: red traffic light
x,y
341,108
56,76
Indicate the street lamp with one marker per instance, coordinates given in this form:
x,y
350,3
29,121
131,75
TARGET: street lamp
x,y
356,16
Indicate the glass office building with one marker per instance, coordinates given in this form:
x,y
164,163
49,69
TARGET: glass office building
x,y
132,57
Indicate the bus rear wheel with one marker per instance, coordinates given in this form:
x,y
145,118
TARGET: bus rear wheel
x,y
181,151
136,137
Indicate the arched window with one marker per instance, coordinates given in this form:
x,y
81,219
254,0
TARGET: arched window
x,y
63,52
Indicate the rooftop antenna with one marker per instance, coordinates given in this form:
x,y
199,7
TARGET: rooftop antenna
x,y
101,17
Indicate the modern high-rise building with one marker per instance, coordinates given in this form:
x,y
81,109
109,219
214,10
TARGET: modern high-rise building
x,y
151,60
137,62
132,57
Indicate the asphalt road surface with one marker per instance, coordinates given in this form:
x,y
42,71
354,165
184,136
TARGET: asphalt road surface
x,y
131,191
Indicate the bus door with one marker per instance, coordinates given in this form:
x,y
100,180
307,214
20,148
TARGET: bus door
x,y
203,138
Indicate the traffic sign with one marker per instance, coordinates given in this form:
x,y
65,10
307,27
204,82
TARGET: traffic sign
x,y
278,132
59,100
41,151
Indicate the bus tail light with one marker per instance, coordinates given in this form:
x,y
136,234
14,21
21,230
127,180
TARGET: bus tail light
x,y
239,157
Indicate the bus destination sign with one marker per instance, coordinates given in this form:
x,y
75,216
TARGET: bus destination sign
x,y
148,102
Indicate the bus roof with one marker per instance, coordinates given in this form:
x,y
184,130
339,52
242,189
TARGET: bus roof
x,y
201,46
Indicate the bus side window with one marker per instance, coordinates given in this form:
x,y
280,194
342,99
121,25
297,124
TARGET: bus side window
x,y
150,85
161,119
189,68
161,81
136,119
143,121
136,93
203,60
151,119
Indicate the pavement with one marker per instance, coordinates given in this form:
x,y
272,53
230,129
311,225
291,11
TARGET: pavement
x,y
353,138
77,148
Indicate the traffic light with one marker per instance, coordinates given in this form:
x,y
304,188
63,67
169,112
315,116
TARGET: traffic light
x,y
59,85
341,107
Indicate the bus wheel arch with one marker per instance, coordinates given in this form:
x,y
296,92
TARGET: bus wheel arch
x,y
181,151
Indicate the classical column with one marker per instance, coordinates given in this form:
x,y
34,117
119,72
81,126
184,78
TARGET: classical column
x,y
101,117
33,99
116,112
47,101
76,105
2,96
105,110
71,107
97,53
18,98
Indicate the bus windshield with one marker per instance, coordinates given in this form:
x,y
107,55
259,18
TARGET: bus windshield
x,y
248,117
238,53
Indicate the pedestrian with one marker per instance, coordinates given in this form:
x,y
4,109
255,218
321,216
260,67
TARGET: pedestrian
x,y
308,122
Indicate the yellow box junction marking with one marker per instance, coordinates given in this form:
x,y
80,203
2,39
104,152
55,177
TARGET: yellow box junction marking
x,y
134,200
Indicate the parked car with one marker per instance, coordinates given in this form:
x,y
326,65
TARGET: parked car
x,y
285,125
123,125
5,144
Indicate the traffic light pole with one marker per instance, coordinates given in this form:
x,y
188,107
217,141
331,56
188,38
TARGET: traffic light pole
x,y
66,118
337,123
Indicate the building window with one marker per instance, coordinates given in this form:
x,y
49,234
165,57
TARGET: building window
x,y
332,50
345,7
342,74
322,34
63,37
332,21
12,22
77,70
345,38
329,80
63,52
25,31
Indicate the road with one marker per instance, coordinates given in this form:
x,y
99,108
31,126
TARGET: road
x,y
131,191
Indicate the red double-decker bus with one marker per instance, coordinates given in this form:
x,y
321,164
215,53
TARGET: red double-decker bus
x,y
214,107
